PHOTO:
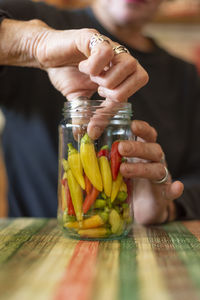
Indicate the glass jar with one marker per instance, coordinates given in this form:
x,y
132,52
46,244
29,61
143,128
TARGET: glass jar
x,y
94,200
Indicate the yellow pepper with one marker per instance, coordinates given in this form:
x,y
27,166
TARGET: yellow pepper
x,y
116,186
116,222
75,165
106,175
75,191
123,187
92,222
63,193
94,232
90,162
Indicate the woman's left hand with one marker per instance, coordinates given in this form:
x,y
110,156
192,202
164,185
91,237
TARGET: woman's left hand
x,y
151,200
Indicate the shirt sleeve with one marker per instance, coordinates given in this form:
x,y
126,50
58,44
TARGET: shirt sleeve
x,y
3,15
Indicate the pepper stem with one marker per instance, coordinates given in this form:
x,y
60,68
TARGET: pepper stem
x,y
105,147
71,149
86,139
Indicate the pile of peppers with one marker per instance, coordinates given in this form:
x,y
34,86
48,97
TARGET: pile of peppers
x,y
95,197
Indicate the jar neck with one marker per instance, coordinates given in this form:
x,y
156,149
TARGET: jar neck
x,y
116,112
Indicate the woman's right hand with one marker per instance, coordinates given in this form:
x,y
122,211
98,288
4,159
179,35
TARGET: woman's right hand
x,y
55,50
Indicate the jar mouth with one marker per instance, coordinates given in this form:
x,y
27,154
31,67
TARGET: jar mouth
x,y
82,107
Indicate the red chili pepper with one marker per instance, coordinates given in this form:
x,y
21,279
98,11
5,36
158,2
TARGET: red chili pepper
x,y
89,199
115,159
88,185
70,206
104,151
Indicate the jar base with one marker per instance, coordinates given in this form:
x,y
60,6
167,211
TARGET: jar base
x,y
72,235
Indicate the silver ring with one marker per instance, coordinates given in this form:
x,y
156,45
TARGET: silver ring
x,y
120,49
97,38
164,179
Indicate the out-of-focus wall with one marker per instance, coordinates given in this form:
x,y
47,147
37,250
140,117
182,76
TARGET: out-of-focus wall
x,y
177,28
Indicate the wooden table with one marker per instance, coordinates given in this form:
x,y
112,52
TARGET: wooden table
x,y
37,261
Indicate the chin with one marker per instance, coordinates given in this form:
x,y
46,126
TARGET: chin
x,y
127,19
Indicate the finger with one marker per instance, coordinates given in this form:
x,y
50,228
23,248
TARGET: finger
x,y
144,130
147,151
127,88
100,57
174,190
152,171
123,65
101,117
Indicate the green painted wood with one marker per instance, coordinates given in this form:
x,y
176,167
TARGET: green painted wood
x,y
18,239
128,286
35,255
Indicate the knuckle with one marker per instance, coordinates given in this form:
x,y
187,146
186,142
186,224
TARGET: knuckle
x,y
143,77
161,172
119,96
108,83
106,51
132,63
89,31
92,69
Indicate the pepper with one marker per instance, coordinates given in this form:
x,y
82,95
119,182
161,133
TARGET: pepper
x,y
90,162
89,199
88,185
94,232
114,220
70,206
123,187
75,191
116,186
106,175
63,193
115,159
67,218
92,222
75,165
100,203
121,196
104,151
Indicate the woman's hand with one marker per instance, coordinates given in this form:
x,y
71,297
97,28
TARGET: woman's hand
x,y
55,50
151,200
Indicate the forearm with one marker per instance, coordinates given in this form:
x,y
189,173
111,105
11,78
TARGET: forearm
x,y
18,42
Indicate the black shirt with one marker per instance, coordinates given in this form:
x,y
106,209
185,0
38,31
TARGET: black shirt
x,y
170,102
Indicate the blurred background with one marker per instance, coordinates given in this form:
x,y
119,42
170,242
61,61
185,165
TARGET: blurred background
x,y
176,27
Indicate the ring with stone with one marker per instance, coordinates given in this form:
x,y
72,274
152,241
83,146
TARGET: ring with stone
x,y
120,49
97,38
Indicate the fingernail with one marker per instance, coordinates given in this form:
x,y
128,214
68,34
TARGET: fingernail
x,y
101,92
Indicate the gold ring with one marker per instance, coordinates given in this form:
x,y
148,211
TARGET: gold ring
x,y
120,49
97,38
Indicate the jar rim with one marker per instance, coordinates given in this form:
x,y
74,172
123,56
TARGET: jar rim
x,y
104,107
